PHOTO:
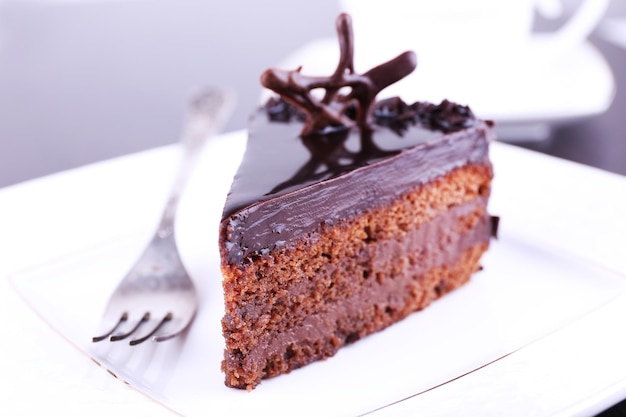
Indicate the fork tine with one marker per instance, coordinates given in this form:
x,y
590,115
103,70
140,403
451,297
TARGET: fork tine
x,y
164,320
174,331
164,337
122,336
122,320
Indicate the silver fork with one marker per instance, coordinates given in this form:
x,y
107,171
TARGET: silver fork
x,y
158,288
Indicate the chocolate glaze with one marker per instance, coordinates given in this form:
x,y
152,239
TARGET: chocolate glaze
x,y
286,183
278,160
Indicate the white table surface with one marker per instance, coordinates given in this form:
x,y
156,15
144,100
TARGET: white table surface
x,y
48,217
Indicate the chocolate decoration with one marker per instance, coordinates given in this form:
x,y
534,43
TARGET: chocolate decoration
x,y
330,111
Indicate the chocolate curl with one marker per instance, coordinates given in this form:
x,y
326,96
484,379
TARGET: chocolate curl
x,y
346,54
330,111
379,78
295,88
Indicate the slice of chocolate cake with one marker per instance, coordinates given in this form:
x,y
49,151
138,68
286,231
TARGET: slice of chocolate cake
x,y
346,215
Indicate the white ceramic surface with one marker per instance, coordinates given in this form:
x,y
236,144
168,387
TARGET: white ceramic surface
x,y
449,32
525,98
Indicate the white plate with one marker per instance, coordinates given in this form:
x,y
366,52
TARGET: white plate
x,y
524,99
489,347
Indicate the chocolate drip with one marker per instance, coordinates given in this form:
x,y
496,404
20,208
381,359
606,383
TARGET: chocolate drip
x,y
495,224
330,111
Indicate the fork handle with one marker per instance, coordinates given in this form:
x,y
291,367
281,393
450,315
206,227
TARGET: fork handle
x,y
206,114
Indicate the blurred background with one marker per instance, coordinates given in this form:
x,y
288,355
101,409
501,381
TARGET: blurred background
x,y
82,81
87,80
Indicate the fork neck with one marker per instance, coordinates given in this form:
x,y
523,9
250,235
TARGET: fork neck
x,y
168,217
166,225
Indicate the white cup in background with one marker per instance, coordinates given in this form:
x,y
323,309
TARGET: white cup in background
x,y
471,34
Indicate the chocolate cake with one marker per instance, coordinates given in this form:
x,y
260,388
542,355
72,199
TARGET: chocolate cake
x,y
346,215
